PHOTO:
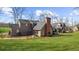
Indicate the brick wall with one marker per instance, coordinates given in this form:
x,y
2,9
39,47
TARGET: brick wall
x,y
48,28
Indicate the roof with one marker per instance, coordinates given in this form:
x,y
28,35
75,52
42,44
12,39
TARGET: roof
x,y
27,21
39,25
13,25
23,21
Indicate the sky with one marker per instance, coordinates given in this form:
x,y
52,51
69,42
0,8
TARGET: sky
x,y
62,12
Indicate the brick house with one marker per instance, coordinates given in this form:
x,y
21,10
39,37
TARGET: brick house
x,y
38,28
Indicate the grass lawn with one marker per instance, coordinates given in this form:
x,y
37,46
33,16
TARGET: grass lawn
x,y
64,42
4,29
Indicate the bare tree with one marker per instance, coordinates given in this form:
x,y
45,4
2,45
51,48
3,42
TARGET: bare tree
x,y
17,13
31,16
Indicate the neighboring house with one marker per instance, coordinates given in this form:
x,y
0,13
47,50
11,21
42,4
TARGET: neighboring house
x,y
56,27
63,28
77,26
60,27
74,28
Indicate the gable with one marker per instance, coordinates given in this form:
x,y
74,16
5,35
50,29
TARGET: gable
x,y
39,25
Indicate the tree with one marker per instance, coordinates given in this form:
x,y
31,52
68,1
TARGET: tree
x,y
45,13
17,13
31,16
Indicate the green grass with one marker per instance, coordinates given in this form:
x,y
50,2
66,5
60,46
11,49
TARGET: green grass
x,y
4,29
64,42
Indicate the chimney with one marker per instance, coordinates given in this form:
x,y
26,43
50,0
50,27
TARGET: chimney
x,y
48,26
48,20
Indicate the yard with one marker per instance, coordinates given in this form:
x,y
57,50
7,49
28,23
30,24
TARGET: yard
x,y
63,42
4,29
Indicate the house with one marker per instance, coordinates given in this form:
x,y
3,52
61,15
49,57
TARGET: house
x,y
77,26
63,27
43,28
74,28
38,28
55,28
23,27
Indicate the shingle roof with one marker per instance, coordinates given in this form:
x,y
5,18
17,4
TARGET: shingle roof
x,y
23,21
39,25
14,25
27,20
